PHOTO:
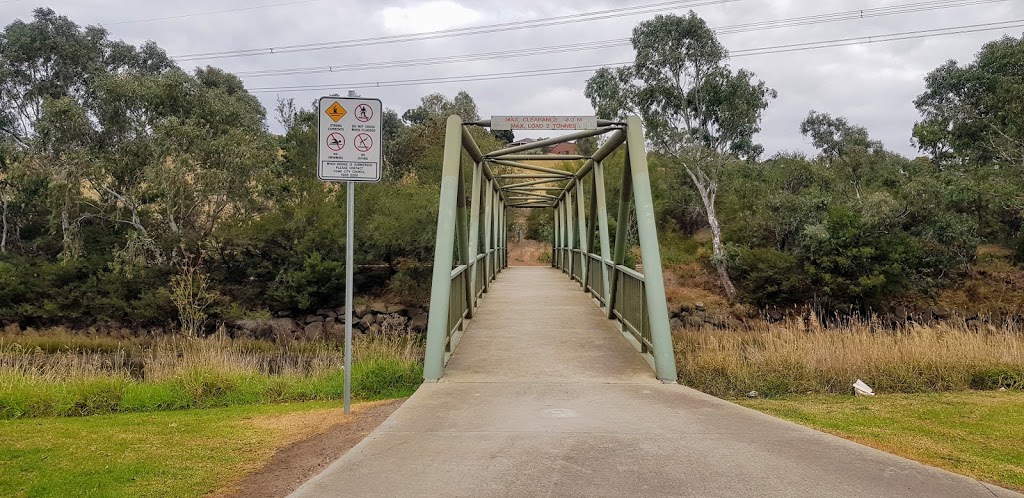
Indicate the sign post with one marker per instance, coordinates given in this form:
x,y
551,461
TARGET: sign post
x,y
349,150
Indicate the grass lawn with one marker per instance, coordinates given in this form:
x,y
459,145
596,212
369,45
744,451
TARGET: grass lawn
x,y
977,434
180,453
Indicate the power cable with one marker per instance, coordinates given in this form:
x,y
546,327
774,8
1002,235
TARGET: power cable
x,y
457,32
603,44
197,14
839,42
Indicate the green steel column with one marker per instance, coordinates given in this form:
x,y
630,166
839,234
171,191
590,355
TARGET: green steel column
x,y
654,281
488,227
621,231
601,202
474,233
441,287
462,234
554,235
570,213
565,235
581,210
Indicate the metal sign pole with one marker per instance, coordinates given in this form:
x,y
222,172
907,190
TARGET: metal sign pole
x,y
349,150
349,265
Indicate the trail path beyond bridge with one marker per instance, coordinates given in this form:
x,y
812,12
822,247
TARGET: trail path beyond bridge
x,y
545,397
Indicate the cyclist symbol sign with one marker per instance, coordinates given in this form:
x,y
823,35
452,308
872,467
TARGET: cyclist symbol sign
x,y
350,140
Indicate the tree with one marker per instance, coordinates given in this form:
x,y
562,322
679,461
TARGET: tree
x,y
842,143
698,112
974,114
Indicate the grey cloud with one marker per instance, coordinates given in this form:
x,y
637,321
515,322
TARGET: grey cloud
x,y
873,85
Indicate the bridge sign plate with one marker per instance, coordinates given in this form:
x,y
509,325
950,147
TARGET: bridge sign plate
x,y
349,148
544,122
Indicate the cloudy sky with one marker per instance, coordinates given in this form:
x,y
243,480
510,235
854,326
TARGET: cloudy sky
x,y
873,84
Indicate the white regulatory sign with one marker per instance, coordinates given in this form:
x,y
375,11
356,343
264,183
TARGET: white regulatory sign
x,y
350,140
544,123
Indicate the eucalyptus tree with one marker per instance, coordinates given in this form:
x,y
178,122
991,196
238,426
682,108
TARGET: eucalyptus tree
x,y
973,114
699,113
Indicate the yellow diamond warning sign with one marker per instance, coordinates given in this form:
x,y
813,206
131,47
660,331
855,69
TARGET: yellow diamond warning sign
x,y
336,112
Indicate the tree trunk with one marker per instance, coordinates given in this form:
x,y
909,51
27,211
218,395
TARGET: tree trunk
x,y
718,250
708,189
3,217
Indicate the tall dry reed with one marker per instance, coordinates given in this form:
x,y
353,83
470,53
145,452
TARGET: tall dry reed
x,y
88,375
786,358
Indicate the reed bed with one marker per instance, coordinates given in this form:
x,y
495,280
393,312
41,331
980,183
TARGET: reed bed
x,y
791,358
57,374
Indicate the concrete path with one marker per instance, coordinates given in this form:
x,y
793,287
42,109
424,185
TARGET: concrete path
x,y
544,397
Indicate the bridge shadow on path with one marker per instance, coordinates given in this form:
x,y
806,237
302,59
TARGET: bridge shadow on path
x,y
545,397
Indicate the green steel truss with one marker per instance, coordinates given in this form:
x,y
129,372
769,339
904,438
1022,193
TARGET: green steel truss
x,y
472,236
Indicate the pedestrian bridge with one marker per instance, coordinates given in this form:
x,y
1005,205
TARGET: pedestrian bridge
x,y
533,391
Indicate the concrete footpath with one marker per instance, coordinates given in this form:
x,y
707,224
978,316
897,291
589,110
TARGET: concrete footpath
x,y
544,397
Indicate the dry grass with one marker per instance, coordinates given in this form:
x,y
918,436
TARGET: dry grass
x,y
778,359
58,374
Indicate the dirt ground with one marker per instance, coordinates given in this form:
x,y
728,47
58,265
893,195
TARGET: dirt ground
x,y
299,461
528,253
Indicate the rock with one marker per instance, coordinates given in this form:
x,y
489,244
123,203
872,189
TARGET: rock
x,y
397,309
283,329
699,306
360,311
676,323
928,316
339,311
684,309
418,324
367,321
380,318
284,314
753,394
314,330
374,330
378,308
899,313
334,330
314,318
253,329
416,311
326,313
693,322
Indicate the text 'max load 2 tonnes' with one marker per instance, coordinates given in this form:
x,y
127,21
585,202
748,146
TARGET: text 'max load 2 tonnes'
x,y
350,140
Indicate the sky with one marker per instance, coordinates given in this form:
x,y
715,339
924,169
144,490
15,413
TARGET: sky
x,y
871,84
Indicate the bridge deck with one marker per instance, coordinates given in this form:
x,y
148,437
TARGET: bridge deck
x,y
544,397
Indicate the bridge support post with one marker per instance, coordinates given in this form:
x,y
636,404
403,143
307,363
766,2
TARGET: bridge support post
x,y
582,220
447,217
601,204
657,306
488,233
621,232
474,235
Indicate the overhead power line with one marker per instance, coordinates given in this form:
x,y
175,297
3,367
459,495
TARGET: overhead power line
x,y
615,43
208,13
457,32
795,47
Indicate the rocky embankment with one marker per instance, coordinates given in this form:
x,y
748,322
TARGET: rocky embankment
x,y
329,324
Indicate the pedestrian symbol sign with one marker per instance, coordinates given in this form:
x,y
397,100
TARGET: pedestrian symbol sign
x,y
336,112
350,140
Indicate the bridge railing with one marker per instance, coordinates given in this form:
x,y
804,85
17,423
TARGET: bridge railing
x,y
471,245
582,246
